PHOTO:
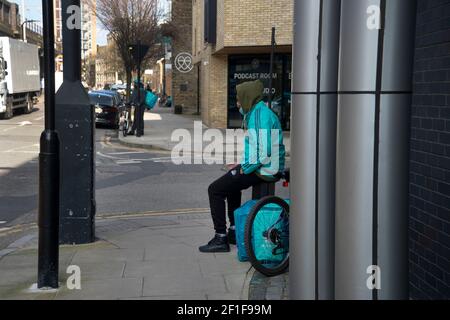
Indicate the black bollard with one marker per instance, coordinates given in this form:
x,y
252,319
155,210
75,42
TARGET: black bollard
x,y
48,220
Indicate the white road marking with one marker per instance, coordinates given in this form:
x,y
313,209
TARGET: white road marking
x,y
124,153
108,157
163,158
9,129
21,149
26,152
120,162
25,123
2,222
39,119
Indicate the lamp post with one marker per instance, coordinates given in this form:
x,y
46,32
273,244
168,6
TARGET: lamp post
x,y
24,28
48,255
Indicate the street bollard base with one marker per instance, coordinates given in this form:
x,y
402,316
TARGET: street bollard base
x,y
48,262
34,289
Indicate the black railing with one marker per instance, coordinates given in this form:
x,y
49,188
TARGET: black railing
x,y
35,28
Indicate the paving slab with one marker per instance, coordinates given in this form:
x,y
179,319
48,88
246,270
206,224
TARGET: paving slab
x,y
170,253
152,262
108,255
106,289
183,284
164,267
100,270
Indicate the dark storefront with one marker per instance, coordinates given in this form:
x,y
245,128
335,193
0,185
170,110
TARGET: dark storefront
x,y
242,68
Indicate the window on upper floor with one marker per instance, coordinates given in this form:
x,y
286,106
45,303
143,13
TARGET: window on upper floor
x,y
210,23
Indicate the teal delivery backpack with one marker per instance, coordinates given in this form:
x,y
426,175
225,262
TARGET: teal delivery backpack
x,y
240,220
150,100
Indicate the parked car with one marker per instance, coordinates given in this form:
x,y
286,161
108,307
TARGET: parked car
x,y
120,88
106,109
116,95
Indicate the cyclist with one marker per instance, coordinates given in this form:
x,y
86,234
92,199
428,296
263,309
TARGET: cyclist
x,y
138,99
264,157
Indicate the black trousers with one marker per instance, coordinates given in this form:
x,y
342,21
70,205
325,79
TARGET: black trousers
x,y
138,124
229,187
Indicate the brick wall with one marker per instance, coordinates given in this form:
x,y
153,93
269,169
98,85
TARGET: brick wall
x,y
184,85
430,154
249,22
240,23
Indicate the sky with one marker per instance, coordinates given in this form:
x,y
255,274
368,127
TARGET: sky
x,y
34,12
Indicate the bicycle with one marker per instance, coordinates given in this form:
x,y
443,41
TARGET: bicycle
x,y
267,233
127,119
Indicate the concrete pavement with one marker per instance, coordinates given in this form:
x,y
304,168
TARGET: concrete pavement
x,y
146,256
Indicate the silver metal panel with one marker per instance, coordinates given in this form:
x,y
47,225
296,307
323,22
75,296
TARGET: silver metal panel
x,y
303,151
326,203
327,149
358,57
354,195
399,45
303,195
306,33
393,196
330,45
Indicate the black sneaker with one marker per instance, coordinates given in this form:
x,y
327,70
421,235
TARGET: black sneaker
x,y
232,236
218,244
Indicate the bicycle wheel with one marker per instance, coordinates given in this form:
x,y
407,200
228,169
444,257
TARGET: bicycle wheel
x,y
125,128
267,236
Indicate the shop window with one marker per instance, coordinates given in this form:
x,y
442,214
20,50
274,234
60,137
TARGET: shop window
x,y
244,68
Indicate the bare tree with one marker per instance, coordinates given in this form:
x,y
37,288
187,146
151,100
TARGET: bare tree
x,y
130,21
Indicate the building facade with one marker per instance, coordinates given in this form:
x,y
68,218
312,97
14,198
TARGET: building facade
x,y
429,226
11,24
108,65
104,74
88,41
88,38
10,19
231,44
184,84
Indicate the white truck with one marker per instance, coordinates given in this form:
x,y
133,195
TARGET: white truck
x,y
20,79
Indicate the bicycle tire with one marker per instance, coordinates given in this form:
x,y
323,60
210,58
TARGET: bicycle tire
x,y
269,272
125,129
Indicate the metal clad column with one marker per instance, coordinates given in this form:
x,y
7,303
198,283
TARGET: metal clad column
x,y
393,176
325,198
355,150
372,151
303,148
316,48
